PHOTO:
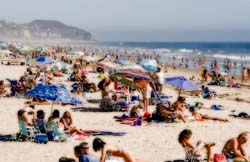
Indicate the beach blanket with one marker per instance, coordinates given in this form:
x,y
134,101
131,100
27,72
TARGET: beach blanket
x,y
79,137
8,137
108,133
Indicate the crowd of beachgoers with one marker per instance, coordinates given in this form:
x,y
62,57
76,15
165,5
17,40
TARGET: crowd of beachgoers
x,y
133,86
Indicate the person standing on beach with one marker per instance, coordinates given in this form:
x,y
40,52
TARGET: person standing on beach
x,y
103,86
243,75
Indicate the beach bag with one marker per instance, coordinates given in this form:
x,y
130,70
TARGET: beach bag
x,y
219,158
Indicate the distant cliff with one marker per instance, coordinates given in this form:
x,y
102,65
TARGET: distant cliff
x,y
42,29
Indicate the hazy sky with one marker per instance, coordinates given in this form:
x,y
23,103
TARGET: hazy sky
x,y
141,20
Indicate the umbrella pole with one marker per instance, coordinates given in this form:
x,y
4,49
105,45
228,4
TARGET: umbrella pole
x,y
51,106
179,92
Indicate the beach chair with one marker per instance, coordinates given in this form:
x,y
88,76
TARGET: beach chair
x,y
26,133
108,105
54,134
190,155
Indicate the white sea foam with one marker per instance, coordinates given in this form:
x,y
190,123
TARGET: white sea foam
x,y
232,57
184,50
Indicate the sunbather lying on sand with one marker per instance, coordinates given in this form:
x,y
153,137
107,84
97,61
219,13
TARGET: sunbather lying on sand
x,y
200,117
108,150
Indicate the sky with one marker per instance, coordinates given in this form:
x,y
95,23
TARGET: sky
x,y
141,20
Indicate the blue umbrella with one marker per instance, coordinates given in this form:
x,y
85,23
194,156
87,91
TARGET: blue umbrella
x,y
182,83
45,60
53,93
149,65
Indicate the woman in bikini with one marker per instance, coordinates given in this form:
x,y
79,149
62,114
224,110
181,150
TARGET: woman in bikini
x,y
201,117
66,121
108,150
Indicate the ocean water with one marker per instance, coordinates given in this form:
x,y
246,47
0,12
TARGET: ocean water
x,y
237,52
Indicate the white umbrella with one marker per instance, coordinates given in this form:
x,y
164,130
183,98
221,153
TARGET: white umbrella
x,y
90,58
4,52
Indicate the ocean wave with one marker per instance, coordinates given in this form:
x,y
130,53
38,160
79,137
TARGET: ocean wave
x,y
232,57
184,50
162,50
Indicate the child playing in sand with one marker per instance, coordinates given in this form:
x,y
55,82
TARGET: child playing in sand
x,y
184,140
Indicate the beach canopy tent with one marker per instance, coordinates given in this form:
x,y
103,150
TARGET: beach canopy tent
x,y
181,83
149,65
45,60
53,93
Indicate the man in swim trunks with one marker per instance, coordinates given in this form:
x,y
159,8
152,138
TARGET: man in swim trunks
x,y
234,150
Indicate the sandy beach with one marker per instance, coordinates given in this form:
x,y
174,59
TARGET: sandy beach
x,y
156,142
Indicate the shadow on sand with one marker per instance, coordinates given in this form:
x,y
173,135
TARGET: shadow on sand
x,y
86,109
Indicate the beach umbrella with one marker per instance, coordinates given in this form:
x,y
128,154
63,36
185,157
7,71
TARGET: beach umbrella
x,y
182,83
76,53
121,61
131,74
61,65
45,60
5,52
131,67
26,50
149,65
53,93
108,64
90,58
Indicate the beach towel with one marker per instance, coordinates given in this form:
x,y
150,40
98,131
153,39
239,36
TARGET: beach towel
x,y
123,116
79,137
108,133
219,158
8,137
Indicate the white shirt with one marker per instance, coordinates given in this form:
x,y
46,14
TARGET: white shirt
x,y
161,77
